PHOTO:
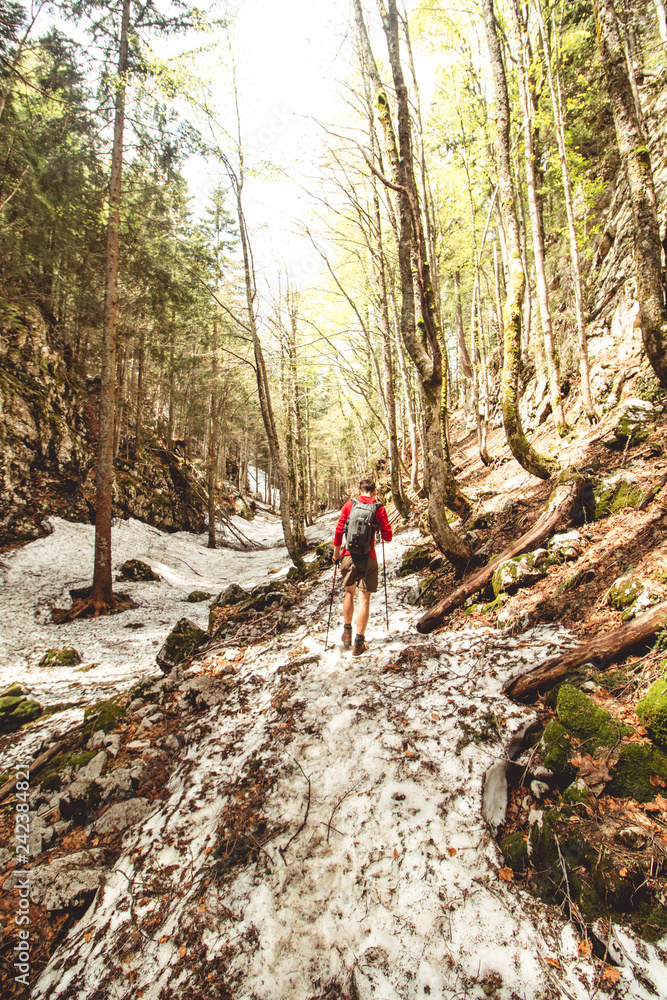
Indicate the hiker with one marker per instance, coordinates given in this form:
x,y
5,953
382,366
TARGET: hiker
x,y
359,520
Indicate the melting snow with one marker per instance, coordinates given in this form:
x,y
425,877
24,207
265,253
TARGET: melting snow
x,y
377,866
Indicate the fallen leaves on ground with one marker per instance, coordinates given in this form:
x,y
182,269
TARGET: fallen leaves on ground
x,y
593,772
610,975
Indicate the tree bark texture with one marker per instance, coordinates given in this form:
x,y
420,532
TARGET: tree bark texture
x,y
538,465
649,269
557,511
101,597
464,357
559,122
536,227
422,339
661,12
604,647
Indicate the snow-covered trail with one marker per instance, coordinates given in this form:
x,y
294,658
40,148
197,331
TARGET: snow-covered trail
x,y
119,650
342,800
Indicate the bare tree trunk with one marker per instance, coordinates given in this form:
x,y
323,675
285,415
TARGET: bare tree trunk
x,y
407,399
213,441
299,474
423,340
263,387
101,598
466,364
309,465
498,295
559,122
661,12
649,268
527,304
401,502
140,392
172,387
538,240
538,465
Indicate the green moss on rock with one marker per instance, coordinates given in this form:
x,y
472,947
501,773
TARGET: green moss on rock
x,y
515,851
14,691
652,711
138,571
415,559
181,643
104,715
66,657
577,794
624,592
613,494
197,596
631,775
583,719
556,748
520,571
15,711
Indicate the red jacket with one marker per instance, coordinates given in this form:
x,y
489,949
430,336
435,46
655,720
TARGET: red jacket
x,y
380,516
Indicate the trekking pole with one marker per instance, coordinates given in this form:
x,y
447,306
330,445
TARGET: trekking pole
x,y
333,591
386,603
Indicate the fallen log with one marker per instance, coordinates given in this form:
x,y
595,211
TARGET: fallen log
x,y
557,510
606,647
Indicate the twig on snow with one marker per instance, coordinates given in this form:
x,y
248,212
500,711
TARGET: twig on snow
x,y
283,850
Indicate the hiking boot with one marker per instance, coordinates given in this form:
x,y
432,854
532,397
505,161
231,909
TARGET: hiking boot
x,y
360,646
347,637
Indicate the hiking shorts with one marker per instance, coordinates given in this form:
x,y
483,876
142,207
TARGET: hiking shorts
x,y
364,572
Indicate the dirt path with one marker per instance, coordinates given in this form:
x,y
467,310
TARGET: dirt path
x,y
321,834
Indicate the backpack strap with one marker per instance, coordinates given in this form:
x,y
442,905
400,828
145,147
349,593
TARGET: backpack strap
x,y
354,500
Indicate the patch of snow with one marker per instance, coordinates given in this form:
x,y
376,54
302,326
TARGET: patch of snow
x,y
376,866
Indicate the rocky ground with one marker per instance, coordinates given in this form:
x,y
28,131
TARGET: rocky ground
x,y
273,818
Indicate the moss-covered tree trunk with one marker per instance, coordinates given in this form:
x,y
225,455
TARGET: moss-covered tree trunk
x,y
649,264
538,465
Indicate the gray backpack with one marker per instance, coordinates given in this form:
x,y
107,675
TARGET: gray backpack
x,y
360,528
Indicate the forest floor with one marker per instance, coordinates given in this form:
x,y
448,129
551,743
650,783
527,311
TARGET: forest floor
x,y
309,824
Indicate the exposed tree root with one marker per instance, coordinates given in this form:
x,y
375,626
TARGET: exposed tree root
x,y
92,607
557,511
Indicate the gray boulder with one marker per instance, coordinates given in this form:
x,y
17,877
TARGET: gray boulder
x,y
68,882
122,815
636,418
521,571
204,692
566,545
234,594
117,785
96,766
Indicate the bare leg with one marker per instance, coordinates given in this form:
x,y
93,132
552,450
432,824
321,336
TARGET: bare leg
x,y
363,611
348,604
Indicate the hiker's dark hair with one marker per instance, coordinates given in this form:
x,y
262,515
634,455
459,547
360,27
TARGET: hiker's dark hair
x,y
367,485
